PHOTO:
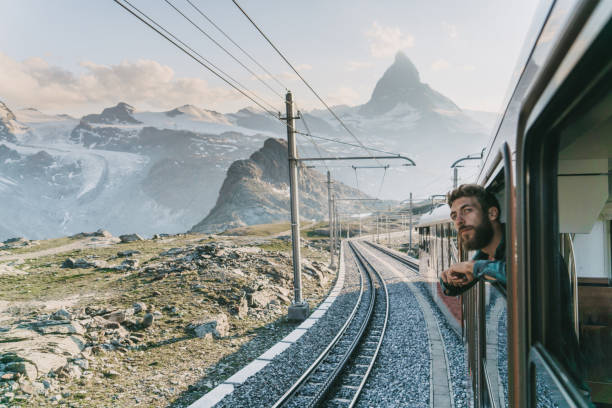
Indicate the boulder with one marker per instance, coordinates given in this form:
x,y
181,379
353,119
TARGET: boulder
x,y
173,251
126,254
61,314
118,316
139,307
130,263
103,233
130,238
147,320
260,299
78,263
242,309
23,367
45,353
58,327
216,326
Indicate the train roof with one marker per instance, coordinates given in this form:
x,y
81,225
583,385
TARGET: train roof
x,y
438,215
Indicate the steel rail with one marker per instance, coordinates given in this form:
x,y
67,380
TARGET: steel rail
x,y
293,390
395,256
383,284
370,330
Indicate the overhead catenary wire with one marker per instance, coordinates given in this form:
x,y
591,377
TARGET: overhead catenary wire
x,y
238,46
215,70
382,182
303,80
345,143
224,49
314,143
204,62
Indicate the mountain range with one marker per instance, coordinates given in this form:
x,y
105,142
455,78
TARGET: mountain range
x,y
149,172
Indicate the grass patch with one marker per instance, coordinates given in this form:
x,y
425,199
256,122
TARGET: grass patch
x,y
259,230
42,245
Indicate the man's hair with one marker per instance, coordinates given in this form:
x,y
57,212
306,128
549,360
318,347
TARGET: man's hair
x,y
485,199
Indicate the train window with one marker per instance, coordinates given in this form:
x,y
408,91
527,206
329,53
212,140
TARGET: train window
x,y
568,157
585,210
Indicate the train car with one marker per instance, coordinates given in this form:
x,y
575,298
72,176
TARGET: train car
x,y
437,251
545,339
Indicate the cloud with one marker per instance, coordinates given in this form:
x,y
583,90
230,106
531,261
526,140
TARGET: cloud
x,y
303,67
357,65
343,96
468,67
440,64
450,29
34,82
386,41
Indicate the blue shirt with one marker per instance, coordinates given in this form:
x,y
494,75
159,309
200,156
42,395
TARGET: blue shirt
x,y
495,269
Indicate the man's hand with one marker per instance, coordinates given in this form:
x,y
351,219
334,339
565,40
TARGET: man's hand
x,y
459,274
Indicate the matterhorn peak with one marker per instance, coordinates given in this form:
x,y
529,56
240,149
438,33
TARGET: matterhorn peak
x,y
401,85
404,67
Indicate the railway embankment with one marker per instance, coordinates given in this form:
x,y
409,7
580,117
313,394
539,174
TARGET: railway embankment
x,y
146,323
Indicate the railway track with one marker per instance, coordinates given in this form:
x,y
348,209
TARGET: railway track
x,y
404,260
441,384
338,375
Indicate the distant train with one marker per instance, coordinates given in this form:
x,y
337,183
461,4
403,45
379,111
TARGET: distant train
x,y
549,165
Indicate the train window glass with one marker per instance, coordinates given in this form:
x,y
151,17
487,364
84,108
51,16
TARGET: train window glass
x,y
585,209
577,321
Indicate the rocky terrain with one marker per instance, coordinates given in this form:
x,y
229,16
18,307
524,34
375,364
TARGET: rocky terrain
x,y
96,320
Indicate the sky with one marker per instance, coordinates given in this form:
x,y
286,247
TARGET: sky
x,y
78,57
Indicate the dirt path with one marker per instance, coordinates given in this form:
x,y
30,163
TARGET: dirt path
x,y
91,242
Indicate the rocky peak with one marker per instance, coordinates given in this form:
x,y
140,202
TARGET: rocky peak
x,y
198,114
401,85
7,127
119,114
5,113
255,191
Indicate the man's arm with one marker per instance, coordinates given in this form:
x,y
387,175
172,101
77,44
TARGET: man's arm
x,y
491,270
463,275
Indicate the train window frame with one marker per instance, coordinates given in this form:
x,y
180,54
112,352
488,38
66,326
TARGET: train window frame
x,y
538,168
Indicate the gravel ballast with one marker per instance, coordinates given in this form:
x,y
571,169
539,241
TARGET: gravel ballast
x,y
268,385
455,351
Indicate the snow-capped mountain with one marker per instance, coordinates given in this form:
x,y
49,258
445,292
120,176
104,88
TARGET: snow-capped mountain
x,y
148,172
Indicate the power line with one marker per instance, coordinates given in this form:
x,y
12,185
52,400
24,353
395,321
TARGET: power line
x,y
344,143
204,64
303,80
238,46
310,138
223,48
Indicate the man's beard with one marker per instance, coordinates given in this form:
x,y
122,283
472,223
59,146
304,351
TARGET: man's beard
x,y
483,233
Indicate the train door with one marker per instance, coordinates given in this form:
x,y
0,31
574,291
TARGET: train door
x,y
566,248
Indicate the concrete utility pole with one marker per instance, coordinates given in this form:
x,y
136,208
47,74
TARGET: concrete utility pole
x,y
334,221
388,229
410,239
298,309
332,264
